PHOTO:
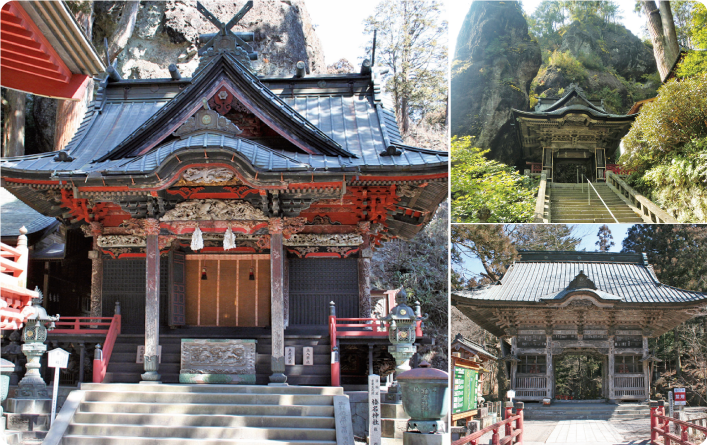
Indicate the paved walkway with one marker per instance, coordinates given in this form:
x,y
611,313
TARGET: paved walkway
x,y
576,432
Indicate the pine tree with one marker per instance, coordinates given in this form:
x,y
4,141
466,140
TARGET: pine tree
x,y
606,241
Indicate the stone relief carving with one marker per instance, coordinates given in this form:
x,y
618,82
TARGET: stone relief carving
x,y
214,209
121,241
315,239
207,175
218,357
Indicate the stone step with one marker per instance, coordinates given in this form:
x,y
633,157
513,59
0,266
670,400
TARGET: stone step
x,y
261,378
598,220
225,398
207,409
193,420
174,368
200,432
138,389
104,440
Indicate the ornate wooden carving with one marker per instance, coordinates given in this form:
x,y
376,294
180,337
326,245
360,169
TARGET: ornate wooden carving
x,y
315,239
214,209
207,120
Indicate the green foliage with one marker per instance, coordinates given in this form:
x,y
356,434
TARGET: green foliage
x,y
579,377
420,266
569,66
606,241
478,182
412,44
591,61
695,62
551,16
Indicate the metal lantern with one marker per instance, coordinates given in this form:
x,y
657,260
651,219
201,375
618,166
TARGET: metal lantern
x,y
402,321
34,335
425,394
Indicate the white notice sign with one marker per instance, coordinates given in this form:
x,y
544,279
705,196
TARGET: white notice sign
x,y
290,355
58,358
308,356
374,410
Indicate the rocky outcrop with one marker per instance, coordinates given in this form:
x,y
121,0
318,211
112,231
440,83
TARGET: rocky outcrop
x,y
494,64
168,32
613,44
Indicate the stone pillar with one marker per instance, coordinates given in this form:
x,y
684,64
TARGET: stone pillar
x,y
96,272
277,306
612,362
549,368
152,301
646,368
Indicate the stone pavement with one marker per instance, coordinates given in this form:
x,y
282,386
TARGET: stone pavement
x,y
584,432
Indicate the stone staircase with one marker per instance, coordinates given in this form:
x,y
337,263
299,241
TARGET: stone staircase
x,y
112,414
579,410
123,368
568,204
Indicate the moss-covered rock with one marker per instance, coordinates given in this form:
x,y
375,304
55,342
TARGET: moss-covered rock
x,y
494,64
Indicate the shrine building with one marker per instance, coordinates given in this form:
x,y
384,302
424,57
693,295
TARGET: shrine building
x,y
569,134
550,305
229,205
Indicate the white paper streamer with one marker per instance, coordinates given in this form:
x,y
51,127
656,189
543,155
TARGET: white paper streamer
x,y
197,241
229,240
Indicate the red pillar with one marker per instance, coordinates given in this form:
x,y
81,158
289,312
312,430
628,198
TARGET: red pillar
x,y
519,421
654,422
507,415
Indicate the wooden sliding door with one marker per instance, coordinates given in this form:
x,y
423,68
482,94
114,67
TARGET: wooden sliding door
x,y
222,291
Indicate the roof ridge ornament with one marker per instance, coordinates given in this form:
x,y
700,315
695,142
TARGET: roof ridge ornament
x,y
206,119
225,40
581,281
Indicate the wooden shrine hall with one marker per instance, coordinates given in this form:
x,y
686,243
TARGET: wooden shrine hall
x,y
553,304
570,134
229,205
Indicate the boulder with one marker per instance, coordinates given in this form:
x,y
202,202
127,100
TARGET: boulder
x,y
494,63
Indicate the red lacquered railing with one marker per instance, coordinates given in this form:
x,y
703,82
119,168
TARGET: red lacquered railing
x,y
660,427
356,327
618,169
83,325
513,429
102,357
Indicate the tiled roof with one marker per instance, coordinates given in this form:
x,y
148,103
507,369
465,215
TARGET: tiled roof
x,y
624,277
15,214
477,348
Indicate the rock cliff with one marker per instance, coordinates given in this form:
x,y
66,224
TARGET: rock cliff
x,y
494,64
168,32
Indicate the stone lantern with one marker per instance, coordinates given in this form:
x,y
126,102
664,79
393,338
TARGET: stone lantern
x,y
34,335
402,321
425,392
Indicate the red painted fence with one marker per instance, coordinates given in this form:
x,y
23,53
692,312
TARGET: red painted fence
x,y
660,427
513,429
102,357
352,327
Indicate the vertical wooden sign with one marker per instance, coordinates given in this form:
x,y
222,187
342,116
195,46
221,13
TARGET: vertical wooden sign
x,y
290,356
308,356
374,409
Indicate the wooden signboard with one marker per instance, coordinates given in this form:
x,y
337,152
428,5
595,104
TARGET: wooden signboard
x,y
465,381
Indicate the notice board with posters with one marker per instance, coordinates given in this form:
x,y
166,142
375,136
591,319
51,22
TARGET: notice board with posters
x,y
465,381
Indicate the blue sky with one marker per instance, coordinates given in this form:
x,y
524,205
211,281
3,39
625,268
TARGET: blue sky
x,y
588,234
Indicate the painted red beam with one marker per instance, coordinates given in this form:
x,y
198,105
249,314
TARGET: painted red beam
x,y
29,63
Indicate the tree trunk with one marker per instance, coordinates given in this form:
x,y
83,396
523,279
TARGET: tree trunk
x,y
678,365
13,139
126,25
662,30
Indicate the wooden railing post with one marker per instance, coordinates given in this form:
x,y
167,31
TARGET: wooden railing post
x,y
654,422
97,364
507,415
494,437
23,260
519,421
335,368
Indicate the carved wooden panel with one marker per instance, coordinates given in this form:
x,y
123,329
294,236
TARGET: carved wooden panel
x,y
314,282
177,289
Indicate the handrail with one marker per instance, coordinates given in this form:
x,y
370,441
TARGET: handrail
x,y
598,196
101,358
82,325
540,200
646,206
511,432
660,426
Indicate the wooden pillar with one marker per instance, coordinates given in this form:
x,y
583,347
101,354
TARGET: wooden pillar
x,y
646,369
364,271
514,364
610,373
277,306
549,368
96,272
286,289
152,301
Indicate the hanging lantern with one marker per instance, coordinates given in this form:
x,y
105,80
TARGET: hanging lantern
x,y
203,273
229,239
197,240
